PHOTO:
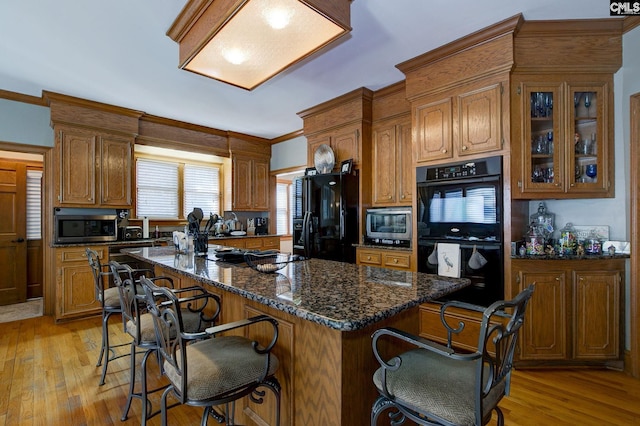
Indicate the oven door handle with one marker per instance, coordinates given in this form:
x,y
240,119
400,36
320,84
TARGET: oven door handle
x,y
492,178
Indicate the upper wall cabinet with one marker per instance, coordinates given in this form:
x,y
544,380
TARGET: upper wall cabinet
x,y
251,182
93,153
459,95
562,109
344,124
392,162
466,123
566,149
344,141
94,169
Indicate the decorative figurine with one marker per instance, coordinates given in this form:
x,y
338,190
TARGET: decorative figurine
x,y
612,250
550,251
580,250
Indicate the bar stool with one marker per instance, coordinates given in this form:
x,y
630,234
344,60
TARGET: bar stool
x,y
110,303
139,325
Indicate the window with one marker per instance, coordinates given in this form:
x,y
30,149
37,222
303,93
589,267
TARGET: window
x,y
171,189
34,208
283,194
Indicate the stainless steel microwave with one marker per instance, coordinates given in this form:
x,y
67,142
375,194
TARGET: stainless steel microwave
x,y
85,228
389,226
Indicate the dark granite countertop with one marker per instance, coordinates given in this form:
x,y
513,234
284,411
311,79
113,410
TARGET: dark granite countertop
x,y
151,241
338,295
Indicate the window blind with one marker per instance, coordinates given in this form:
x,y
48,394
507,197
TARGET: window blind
x,y
156,189
201,189
34,204
282,208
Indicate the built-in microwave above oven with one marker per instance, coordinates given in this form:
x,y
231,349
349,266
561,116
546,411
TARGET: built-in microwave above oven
x,y
85,228
388,226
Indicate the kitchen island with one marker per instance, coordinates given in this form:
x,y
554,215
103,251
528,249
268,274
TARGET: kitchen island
x,y
326,312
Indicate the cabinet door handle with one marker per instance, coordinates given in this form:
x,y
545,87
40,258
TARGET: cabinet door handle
x,y
444,150
368,257
395,260
464,147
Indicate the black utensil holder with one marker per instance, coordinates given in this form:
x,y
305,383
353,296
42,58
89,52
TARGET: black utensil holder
x,y
201,243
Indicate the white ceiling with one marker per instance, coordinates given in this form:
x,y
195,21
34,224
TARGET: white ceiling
x,y
117,52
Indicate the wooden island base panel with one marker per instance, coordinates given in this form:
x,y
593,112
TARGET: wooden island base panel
x,y
326,312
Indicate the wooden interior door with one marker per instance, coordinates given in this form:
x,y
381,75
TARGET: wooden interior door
x,y
13,233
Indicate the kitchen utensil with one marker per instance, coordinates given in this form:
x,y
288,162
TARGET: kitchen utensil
x,y
234,224
221,228
209,223
198,214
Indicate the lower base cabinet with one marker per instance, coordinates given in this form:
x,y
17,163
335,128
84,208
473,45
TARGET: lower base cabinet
x,y
431,326
575,314
75,290
249,243
386,258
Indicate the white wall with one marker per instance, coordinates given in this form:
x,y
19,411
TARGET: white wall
x,y
288,154
25,123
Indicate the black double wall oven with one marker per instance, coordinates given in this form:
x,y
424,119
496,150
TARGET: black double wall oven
x,y
461,204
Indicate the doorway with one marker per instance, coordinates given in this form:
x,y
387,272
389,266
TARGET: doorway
x,y
21,244
284,202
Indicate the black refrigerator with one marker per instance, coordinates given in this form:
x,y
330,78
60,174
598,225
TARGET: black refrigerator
x,y
328,223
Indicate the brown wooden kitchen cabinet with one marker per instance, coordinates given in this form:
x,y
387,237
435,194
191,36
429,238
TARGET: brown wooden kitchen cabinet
x,y
431,325
392,163
345,143
250,183
467,122
95,168
562,121
251,243
75,290
575,315
386,258
344,124
566,148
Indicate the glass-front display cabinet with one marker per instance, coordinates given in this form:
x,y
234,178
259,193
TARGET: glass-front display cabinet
x,y
564,147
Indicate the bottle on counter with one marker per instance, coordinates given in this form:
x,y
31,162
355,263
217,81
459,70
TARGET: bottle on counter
x,y
534,240
567,241
593,243
157,232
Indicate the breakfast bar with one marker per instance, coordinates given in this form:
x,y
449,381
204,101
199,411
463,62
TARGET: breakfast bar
x,y
326,312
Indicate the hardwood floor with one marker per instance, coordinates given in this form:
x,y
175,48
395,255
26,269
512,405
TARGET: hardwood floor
x,y
48,377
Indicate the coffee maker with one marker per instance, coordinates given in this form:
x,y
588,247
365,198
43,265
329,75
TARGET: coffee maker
x,y
262,225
